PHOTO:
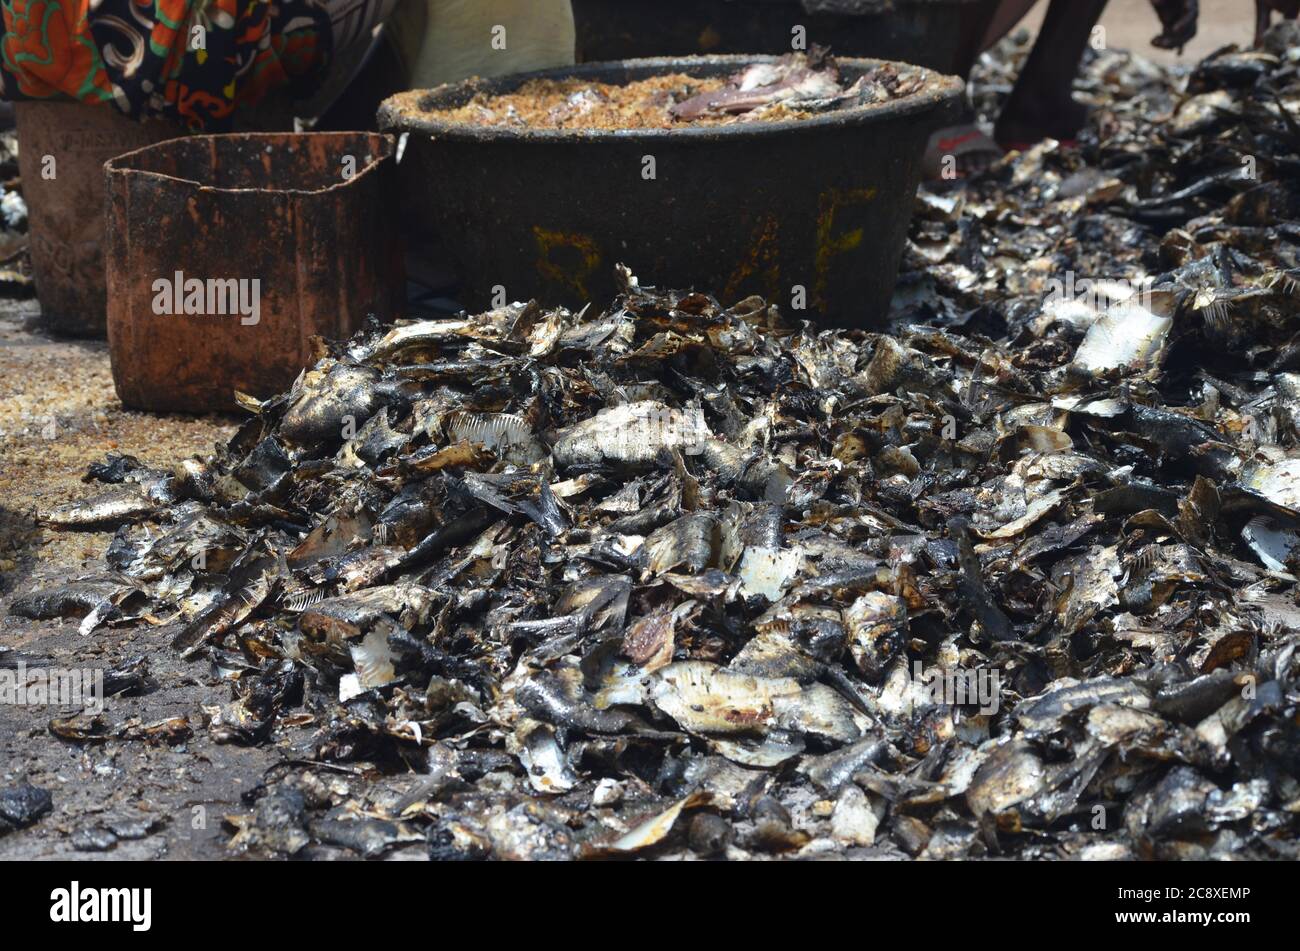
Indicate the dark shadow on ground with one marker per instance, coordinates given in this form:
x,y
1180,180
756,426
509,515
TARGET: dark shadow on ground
x,y
19,539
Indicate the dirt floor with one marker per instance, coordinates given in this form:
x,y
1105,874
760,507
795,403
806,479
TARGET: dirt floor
x,y
1130,24
119,798
58,413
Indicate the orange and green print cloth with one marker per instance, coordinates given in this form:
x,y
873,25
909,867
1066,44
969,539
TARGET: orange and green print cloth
x,y
193,61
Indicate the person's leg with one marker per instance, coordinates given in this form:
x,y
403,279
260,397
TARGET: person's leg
x,y
964,149
983,24
1005,18
1177,23
1042,103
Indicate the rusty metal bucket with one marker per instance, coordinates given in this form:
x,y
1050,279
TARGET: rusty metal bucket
x,y
227,253
64,146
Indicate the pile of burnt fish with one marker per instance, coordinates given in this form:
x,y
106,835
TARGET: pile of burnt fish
x,y
1018,578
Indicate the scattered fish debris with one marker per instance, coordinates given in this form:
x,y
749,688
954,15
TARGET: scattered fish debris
x,y
793,86
22,805
660,580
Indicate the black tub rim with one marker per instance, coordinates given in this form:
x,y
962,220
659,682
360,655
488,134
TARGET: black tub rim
x,y
121,165
409,111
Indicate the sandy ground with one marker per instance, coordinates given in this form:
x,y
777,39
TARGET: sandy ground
x,y
1130,24
165,795
58,413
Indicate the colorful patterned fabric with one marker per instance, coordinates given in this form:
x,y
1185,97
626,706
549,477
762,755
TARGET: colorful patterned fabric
x,y
194,61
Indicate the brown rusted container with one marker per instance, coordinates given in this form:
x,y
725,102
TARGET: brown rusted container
x,y
64,146
308,217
